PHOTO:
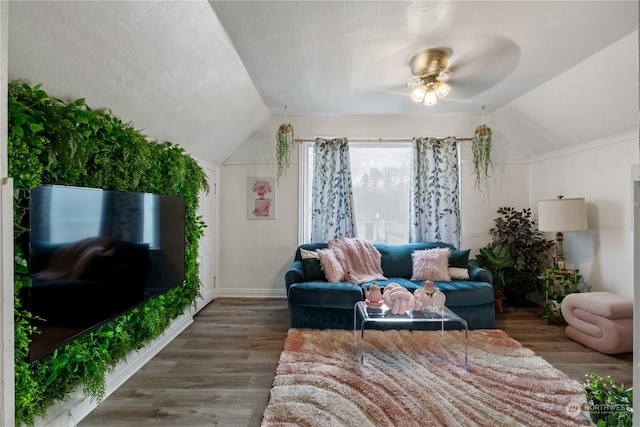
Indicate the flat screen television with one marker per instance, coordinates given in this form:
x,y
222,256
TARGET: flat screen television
x,y
96,254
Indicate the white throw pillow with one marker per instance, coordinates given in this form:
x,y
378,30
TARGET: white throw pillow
x,y
431,264
458,273
307,254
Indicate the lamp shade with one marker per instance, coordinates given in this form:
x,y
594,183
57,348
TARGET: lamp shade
x,y
441,89
562,215
418,93
430,98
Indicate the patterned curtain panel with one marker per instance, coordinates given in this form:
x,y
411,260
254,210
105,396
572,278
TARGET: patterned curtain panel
x,y
332,214
435,191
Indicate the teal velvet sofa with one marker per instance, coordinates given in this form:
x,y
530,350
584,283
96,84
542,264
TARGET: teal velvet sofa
x,y
318,304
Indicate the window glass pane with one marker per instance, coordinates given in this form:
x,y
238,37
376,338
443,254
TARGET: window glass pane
x,y
380,175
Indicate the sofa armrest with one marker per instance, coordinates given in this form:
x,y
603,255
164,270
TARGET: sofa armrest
x,y
479,274
295,274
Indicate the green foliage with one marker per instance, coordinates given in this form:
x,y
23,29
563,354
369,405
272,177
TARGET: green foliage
x,y
497,260
610,404
284,146
53,142
556,284
481,150
25,378
527,247
27,395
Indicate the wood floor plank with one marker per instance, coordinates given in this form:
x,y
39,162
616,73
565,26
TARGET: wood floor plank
x,y
219,371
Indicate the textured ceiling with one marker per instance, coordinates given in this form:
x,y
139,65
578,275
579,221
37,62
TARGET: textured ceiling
x,y
166,66
208,75
351,58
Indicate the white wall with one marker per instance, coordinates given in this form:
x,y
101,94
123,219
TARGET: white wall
x,y
7,388
600,166
602,172
595,99
255,254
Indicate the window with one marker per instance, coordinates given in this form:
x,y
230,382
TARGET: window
x,y
381,181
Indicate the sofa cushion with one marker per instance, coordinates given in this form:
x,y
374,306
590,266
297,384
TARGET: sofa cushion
x,y
459,258
396,259
431,264
309,247
311,266
330,265
458,273
323,294
462,293
405,283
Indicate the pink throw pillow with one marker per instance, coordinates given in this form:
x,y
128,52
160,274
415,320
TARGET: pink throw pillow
x,y
330,265
431,264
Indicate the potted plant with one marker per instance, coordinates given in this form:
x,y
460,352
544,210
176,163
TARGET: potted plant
x,y
498,261
481,150
556,284
528,248
284,146
609,404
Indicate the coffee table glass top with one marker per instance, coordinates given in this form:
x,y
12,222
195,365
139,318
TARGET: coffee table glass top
x,y
382,313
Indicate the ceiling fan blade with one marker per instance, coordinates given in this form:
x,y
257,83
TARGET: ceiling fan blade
x,y
476,69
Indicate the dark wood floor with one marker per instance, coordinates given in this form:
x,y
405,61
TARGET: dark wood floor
x,y
550,342
219,371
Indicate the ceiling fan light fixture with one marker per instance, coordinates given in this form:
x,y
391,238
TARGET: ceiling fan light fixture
x,y
441,89
444,76
429,70
430,97
418,93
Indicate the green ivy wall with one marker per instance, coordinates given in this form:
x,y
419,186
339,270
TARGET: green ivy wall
x,y
51,141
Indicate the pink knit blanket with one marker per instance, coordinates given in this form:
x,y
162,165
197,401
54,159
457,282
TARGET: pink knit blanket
x,y
351,259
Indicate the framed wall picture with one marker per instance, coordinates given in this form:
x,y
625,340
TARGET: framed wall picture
x,y
261,197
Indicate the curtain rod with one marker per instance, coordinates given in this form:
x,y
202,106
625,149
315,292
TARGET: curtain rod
x,y
379,139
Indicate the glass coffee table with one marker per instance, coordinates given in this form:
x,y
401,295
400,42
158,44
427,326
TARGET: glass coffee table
x,y
382,315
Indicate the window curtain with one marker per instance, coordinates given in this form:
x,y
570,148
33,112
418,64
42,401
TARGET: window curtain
x,y
332,213
435,191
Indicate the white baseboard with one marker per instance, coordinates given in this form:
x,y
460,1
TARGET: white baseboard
x,y
73,409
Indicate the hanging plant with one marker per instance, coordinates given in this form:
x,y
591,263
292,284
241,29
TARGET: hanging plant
x,y
284,145
481,149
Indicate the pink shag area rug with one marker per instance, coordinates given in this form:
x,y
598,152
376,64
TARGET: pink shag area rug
x,y
411,379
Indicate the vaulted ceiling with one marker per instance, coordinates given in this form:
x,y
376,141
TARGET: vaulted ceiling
x,y
352,58
207,74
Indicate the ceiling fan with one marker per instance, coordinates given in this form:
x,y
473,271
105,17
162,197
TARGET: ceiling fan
x,y
430,74
458,67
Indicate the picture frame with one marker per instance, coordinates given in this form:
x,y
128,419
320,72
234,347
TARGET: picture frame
x,y
261,197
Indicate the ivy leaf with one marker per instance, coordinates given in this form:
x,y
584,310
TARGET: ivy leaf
x,y
51,378
35,127
17,130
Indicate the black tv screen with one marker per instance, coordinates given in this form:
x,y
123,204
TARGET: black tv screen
x,y
95,254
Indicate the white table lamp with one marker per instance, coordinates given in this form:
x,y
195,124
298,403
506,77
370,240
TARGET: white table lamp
x,y
561,215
